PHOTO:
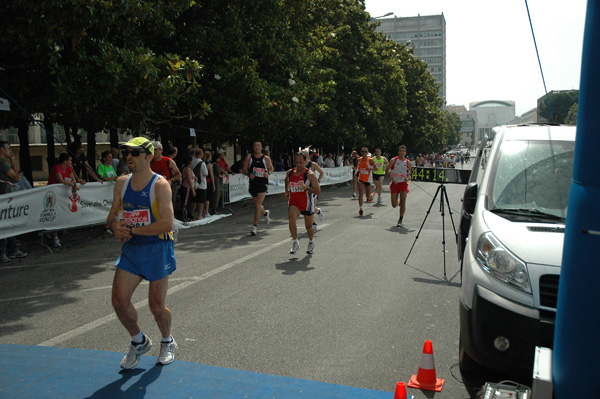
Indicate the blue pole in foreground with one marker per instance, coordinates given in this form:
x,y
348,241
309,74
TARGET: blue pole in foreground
x,y
576,354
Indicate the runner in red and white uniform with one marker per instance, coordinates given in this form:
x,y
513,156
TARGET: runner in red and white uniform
x,y
300,186
399,172
365,177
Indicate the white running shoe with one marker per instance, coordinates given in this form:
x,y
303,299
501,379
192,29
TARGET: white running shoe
x,y
18,254
167,353
295,247
254,231
267,218
311,247
379,200
321,216
132,358
315,227
56,243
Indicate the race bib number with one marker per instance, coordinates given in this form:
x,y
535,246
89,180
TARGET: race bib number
x,y
296,187
399,177
364,171
137,218
259,172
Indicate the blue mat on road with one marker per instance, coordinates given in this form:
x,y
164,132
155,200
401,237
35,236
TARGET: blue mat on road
x,y
50,372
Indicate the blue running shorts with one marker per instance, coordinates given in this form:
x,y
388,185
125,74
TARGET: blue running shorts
x,y
151,260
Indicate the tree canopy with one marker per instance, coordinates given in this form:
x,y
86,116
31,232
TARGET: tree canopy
x,y
296,73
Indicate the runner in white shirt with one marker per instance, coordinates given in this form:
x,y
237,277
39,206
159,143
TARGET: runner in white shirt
x,y
398,171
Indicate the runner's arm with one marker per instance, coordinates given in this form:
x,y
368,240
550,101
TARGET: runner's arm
x,y
287,183
318,169
389,166
175,172
270,167
113,220
314,188
245,170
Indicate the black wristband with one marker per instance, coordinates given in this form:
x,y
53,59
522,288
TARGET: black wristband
x,y
130,227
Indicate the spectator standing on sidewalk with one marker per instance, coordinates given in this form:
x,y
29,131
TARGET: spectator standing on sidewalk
x,y
329,162
106,172
105,169
9,177
82,169
165,166
339,160
214,197
147,252
223,163
200,170
63,173
187,190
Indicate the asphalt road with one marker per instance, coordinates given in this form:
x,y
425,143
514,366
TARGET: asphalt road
x,y
353,313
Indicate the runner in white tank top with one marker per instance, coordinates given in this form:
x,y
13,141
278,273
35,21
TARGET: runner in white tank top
x,y
399,172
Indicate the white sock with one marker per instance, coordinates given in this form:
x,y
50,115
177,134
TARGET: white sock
x,y
168,339
138,338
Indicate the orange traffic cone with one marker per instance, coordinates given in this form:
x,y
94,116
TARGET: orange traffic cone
x,y
425,378
401,392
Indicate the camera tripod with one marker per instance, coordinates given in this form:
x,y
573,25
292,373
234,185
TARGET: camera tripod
x,y
443,203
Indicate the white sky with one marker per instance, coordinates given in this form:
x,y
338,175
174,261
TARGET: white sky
x,y
490,49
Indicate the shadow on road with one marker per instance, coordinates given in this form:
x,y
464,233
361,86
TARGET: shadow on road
x,y
295,265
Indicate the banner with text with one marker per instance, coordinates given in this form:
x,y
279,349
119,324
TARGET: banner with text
x,y
57,207
54,207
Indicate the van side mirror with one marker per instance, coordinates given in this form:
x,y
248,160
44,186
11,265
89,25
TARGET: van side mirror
x,y
470,197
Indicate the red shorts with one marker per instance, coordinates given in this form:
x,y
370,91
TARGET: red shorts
x,y
395,188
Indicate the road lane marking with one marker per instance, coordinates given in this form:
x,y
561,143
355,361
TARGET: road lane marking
x,y
111,317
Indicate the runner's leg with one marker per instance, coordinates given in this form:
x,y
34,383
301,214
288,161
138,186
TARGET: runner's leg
x,y
293,213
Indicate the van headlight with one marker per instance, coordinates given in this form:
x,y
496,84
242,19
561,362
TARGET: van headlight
x,y
495,259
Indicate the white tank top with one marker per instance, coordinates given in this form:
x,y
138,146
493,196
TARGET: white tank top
x,y
399,172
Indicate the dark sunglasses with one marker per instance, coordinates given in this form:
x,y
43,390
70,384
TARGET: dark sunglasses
x,y
364,151
134,153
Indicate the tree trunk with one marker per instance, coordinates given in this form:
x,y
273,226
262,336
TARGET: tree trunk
x,y
91,147
24,154
50,150
114,138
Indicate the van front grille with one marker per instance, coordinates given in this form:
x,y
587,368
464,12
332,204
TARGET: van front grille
x,y
549,290
538,229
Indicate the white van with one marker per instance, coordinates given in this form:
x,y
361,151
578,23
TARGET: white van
x,y
513,253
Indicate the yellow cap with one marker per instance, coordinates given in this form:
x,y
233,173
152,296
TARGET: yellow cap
x,y
140,143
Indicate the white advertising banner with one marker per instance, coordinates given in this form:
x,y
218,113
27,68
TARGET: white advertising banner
x,y
57,207
54,207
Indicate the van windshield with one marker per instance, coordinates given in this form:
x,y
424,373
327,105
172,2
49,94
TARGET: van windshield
x,y
532,179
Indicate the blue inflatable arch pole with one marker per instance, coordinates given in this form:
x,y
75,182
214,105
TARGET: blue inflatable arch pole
x,y
576,354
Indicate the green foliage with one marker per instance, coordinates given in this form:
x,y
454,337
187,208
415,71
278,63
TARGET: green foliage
x,y
571,118
297,72
560,102
453,126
